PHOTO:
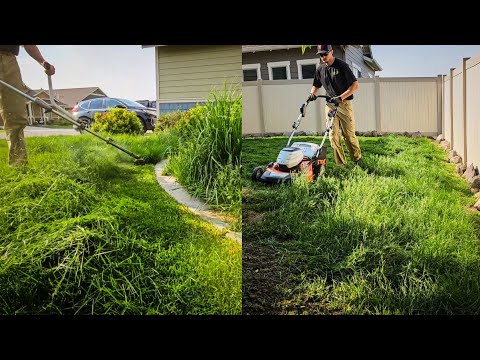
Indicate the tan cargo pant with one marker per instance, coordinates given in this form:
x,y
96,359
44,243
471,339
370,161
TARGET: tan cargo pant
x,y
13,109
344,124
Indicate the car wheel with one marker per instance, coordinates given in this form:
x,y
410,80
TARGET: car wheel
x,y
144,125
86,121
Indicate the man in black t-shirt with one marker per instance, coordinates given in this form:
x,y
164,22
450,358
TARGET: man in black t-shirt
x,y
12,105
339,82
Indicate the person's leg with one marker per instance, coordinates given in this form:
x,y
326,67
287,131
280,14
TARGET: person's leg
x,y
335,140
347,124
13,110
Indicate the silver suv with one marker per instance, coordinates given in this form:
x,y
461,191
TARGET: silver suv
x,y
85,111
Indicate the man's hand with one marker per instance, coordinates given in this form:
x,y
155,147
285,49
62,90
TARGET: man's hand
x,y
335,100
312,97
49,68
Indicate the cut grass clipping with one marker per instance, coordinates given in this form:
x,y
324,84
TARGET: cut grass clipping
x,y
394,236
84,231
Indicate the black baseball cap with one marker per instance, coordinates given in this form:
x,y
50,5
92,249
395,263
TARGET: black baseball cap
x,y
323,49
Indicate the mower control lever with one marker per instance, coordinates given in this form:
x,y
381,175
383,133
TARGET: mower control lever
x,y
303,108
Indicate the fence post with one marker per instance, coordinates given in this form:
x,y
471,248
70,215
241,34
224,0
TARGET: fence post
x,y
439,104
451,107
261,110
464,72
378,120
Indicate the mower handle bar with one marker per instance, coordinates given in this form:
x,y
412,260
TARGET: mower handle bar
x,y
296,123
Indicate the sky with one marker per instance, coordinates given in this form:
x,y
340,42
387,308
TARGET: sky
x,y
128,71
421,60
124,71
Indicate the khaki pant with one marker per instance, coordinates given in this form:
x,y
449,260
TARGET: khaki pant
x,y
13,109
344,124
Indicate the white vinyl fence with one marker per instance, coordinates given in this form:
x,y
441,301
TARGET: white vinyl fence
x,y
461,110
394,105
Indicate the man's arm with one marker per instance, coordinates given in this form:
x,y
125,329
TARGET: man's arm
x,y
35,53
350,90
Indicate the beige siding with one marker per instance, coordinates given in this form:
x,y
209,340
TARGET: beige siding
x,y
191,72
409,105
473,111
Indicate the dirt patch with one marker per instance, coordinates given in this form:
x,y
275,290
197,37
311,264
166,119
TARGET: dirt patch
x,y
260,280
250,216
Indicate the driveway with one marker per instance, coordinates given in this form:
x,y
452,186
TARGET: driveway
x,y
39,131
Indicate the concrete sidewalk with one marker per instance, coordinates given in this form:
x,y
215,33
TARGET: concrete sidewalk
x,y
175,190
41,131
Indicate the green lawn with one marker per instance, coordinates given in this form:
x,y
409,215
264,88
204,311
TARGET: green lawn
x,y
84,231
394,236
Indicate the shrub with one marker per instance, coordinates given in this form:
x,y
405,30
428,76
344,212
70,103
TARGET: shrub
x,y
187,124
168,120
117,121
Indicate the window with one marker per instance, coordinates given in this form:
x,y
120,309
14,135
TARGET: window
x,y
96,104
251,72
112,103
306,68
357,71
279,70
169,107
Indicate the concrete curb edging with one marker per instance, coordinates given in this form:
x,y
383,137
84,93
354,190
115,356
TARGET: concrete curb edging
x,y
176,190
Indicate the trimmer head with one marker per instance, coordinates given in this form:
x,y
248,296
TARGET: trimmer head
x,y
139,162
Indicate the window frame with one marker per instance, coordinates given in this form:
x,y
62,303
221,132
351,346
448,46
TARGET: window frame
x,y
252,67
301,62
279,64
358,70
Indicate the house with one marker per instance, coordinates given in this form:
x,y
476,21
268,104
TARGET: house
x,y
186,74
73,96
65,98
286,62
37,114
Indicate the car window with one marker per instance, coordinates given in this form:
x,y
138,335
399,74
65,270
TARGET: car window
x,y
112,103
84,105
96,104
131,103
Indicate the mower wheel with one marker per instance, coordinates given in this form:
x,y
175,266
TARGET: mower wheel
x,y
318,171
322,170
257,173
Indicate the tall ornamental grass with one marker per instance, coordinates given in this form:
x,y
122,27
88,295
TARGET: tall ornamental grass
x,y
209,153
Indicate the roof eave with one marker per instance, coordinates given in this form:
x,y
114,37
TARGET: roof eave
x,y
372,63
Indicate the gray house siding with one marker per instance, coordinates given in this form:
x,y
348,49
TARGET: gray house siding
x,y
292,55
355,54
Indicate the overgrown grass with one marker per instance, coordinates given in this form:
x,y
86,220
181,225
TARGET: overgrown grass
x,y
394,236
84,231
208,159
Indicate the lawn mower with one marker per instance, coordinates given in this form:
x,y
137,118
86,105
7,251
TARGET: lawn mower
x,y
300,157
80,126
